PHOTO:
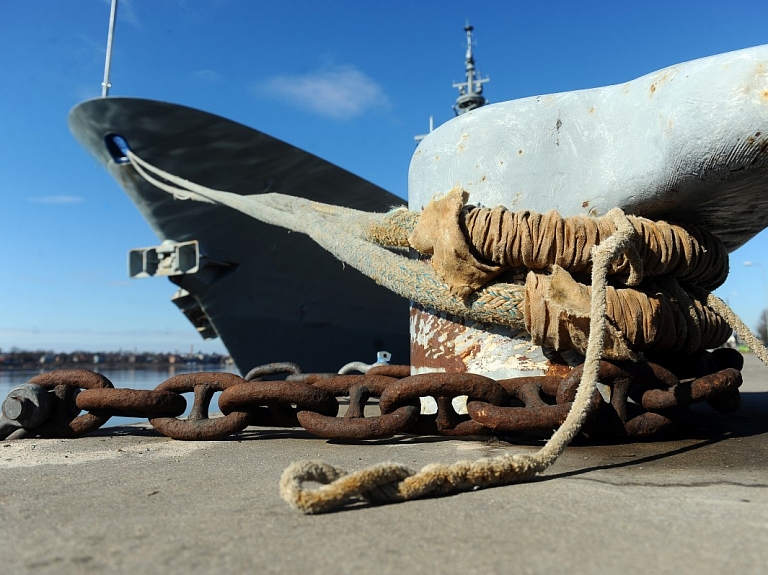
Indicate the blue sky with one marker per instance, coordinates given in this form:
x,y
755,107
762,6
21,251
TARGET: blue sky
x,y
377,71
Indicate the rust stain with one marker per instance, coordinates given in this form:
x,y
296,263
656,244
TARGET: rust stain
x,y
433,349
584,204
558,369
663,78
441,343
558,365
592,110
760,143
468,354
653,89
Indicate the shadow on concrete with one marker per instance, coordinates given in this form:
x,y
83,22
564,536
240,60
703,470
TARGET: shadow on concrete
x,y
634,462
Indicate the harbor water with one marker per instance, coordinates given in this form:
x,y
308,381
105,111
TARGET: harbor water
x,y
144,377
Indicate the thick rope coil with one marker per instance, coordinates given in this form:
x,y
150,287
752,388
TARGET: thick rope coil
x,y
538,241
648,318
471,246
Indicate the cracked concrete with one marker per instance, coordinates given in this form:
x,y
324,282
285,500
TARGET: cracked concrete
x,y
130,501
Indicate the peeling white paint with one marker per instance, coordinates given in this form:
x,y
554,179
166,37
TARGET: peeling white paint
x,y
588,151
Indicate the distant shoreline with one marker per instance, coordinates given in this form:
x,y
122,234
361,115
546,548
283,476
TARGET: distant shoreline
x,y
47,360
113,365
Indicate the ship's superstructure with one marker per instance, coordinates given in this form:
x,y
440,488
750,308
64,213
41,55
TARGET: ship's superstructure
x,y
471,90
269,295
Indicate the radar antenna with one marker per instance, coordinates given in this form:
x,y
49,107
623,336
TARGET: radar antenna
x,y
471,91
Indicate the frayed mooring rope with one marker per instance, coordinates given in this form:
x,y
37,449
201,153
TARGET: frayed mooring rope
x,y
364,241
739,327
622,245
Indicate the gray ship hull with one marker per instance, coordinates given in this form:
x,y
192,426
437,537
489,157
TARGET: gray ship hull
x,y
270,295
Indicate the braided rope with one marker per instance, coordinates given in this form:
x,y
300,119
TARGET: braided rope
x,y
739,327
342,232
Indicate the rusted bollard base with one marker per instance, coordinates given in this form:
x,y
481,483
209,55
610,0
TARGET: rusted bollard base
x,y
444,343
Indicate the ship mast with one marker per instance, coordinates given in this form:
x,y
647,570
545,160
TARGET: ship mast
x,y
471,91
105,85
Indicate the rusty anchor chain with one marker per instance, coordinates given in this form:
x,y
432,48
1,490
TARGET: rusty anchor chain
x,y
530,411
65,386
198,425
646,399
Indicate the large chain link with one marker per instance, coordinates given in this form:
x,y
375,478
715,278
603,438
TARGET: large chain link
x,y
646,399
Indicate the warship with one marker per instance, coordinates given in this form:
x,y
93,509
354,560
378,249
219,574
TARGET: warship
x,y
270,295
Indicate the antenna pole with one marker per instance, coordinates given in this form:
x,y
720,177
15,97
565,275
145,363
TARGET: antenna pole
x,y
471,91
105,85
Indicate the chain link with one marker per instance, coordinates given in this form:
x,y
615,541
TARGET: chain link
x,y
646,399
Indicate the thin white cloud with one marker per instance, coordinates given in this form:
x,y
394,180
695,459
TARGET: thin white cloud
x,y
338,92
206,75
56,200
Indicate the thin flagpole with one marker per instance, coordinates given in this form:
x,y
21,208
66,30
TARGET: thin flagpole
x,y
105,85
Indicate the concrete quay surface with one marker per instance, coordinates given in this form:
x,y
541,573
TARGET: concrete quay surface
x,y
127,500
